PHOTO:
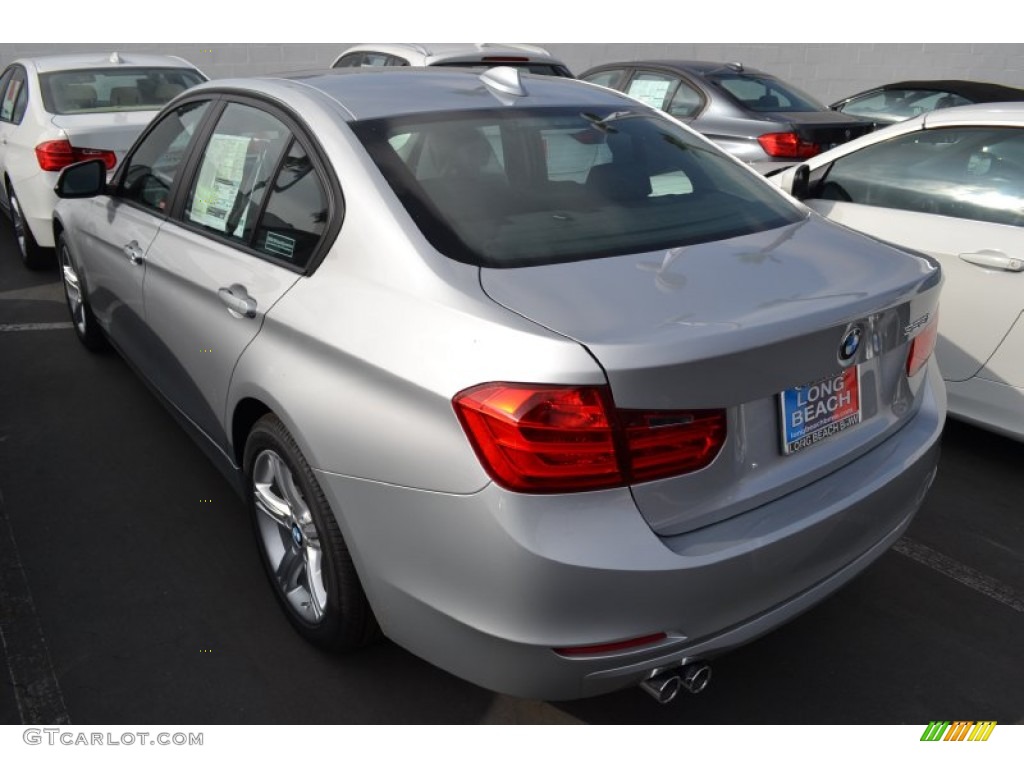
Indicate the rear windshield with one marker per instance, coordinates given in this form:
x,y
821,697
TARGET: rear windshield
x,y
759,93
518,187
122,89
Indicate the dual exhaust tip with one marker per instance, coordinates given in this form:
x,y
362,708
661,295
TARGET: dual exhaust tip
x,y
664,687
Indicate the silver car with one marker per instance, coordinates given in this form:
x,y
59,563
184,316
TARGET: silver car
x,y
531,379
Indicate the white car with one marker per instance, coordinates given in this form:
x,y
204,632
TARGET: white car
x,y
530,58
948,183
62,109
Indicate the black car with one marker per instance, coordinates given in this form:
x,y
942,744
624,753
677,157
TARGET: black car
x,y
748,112
894,102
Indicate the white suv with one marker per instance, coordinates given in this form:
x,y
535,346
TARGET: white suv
x,y
528,57
61,109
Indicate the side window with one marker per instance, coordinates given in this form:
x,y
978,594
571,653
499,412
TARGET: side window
x,y
238,162
350,60
14,96
21,102
930,171
608,78
652,88
296,212
372,59
150,171
686,101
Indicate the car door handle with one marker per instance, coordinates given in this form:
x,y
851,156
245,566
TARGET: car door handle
x,y
991,259
238,301
133,252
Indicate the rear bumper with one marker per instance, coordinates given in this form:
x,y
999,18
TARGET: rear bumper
x,y
486,585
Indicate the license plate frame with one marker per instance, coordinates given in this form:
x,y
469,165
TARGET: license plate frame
x,y
820,409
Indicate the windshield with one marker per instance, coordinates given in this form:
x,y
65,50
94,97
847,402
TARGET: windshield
x,y
122,89
515,187
895,104
761,93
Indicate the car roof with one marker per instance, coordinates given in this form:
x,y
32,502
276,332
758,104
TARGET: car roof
x,y
65,61
971,89
700,68
989,113
373,92
434,52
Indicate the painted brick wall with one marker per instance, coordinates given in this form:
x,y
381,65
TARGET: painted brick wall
x,y
826,70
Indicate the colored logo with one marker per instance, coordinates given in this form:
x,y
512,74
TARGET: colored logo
x,y
959,730
849,345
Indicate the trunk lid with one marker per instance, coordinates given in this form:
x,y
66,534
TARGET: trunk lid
x,y
112,131
732,324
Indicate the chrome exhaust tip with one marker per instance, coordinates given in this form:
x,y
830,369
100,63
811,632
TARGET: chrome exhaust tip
x,y
664,687
695,677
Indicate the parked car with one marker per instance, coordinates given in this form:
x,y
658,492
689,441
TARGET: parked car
x,y
891,103
61,109
530,58
558,430
949,183
749,113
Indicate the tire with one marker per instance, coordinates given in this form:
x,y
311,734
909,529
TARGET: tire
x,y
87,329
33,256
304,554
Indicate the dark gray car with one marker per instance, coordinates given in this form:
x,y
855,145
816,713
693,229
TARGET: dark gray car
x,y
749,113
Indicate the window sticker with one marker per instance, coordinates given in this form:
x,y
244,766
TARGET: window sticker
x,y
650,92
10,96
279,245
220,180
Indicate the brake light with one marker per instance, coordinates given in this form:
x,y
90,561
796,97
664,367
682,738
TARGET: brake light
x,y
551,439
922,345
787,145
59,154
504,58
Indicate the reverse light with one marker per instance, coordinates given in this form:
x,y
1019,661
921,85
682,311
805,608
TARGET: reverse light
x,y
787,145
59,154
553,439
923,345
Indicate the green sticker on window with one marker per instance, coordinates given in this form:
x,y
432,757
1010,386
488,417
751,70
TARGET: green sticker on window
x,y
279,245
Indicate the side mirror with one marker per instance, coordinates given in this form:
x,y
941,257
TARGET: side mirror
x,y
85,179
801,186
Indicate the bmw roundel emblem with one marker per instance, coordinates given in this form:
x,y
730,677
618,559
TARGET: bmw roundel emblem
x,y
296,535
849,345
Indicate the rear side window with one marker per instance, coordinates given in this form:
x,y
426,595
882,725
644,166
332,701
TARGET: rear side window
x,y
152,168
257,187
507,188
13,97
238,163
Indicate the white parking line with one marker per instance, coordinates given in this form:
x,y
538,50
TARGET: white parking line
x,y
36,690
964,574
8,327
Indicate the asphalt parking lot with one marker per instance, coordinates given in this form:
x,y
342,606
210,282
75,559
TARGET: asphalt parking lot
x,y
131,591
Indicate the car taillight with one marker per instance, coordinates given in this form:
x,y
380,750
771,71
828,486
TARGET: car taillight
x,y
922,345
787,145
59,154
551,439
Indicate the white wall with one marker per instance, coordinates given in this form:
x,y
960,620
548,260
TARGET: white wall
x,y
826,70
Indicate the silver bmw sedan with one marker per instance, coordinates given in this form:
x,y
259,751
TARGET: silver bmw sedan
x,y
513,370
